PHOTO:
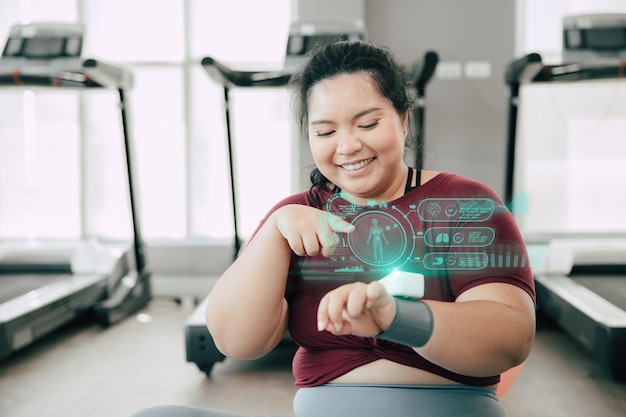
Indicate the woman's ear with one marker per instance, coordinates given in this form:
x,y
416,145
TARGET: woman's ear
x,y
405,123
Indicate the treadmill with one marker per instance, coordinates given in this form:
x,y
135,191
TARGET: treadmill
x,y
421,73
200,348
45,284
565,182
302,37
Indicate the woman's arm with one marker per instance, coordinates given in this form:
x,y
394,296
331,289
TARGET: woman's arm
x,y
489,329
246,310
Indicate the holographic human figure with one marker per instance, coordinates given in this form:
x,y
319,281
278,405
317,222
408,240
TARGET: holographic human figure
x,y
377,235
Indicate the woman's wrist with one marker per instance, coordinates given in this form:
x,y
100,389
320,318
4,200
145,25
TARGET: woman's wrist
x,y
412,325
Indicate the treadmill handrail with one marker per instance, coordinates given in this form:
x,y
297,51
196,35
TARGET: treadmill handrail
x,y
87,73
517,71
581,71
230,77
423,70
108,75
562,255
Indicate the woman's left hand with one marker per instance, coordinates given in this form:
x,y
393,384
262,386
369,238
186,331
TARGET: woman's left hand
x,y
357,309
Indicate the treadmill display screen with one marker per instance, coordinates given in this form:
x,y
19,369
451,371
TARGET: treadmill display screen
x,y
43,47
596,39
606,39
300,45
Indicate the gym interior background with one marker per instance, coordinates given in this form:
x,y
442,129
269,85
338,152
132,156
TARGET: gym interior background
x,y
67,182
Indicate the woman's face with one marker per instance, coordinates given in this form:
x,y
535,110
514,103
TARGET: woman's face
x,y
357,137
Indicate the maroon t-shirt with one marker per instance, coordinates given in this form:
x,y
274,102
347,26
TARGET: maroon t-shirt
x,y
453,230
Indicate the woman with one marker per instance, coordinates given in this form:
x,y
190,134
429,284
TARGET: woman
x,y
309,269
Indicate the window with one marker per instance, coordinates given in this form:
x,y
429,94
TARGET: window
x,y
62,171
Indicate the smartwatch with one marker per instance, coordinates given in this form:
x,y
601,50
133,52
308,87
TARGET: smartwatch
x,y
402,284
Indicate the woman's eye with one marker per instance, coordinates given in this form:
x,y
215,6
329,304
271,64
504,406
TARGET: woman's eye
x,y
369,125
325,133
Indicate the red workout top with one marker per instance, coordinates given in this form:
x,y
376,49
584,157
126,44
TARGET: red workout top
x,y
453,230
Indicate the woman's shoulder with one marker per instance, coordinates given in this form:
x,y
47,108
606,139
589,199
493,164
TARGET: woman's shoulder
x,y
455,185
427,175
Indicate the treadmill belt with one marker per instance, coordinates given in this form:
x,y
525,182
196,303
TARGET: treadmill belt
x,y
611,288
12,286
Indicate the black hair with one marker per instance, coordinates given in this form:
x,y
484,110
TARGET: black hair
x,y
349,57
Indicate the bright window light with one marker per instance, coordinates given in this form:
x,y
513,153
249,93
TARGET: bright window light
x,y
62,171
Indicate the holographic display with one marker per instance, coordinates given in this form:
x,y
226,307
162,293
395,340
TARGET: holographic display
x,y
433,235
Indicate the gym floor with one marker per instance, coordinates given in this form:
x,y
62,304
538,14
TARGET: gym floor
x,y
83,370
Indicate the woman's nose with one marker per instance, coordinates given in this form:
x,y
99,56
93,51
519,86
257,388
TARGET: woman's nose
x,y
348,143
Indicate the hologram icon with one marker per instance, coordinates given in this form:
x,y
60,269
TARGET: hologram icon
x,y
377,235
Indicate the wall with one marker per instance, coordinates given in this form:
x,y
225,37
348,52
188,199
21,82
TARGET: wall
x,y
327,9
466,118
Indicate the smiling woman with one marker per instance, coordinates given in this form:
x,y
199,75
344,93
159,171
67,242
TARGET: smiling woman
x,y
316,265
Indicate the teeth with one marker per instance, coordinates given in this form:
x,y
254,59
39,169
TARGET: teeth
x,y
352,167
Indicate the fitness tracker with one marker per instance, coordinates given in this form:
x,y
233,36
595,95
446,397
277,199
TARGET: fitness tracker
x,y
412,325
402,284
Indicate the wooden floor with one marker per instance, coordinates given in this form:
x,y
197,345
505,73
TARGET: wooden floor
x,y
87,371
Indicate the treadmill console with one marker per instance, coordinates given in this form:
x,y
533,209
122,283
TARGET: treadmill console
x,y
303,36
44,41
50,55
42,54
593,37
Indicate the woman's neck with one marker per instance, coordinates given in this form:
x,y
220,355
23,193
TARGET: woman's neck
x,y
397,189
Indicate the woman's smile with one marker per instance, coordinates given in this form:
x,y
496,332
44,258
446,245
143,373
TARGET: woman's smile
x,y
355,166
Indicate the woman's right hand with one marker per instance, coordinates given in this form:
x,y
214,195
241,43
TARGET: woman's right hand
x,y
309,231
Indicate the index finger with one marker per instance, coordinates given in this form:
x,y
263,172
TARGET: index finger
x,y
337,224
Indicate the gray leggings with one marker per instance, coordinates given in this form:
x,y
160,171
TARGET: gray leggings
x,y
186,411
370,401
396,401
